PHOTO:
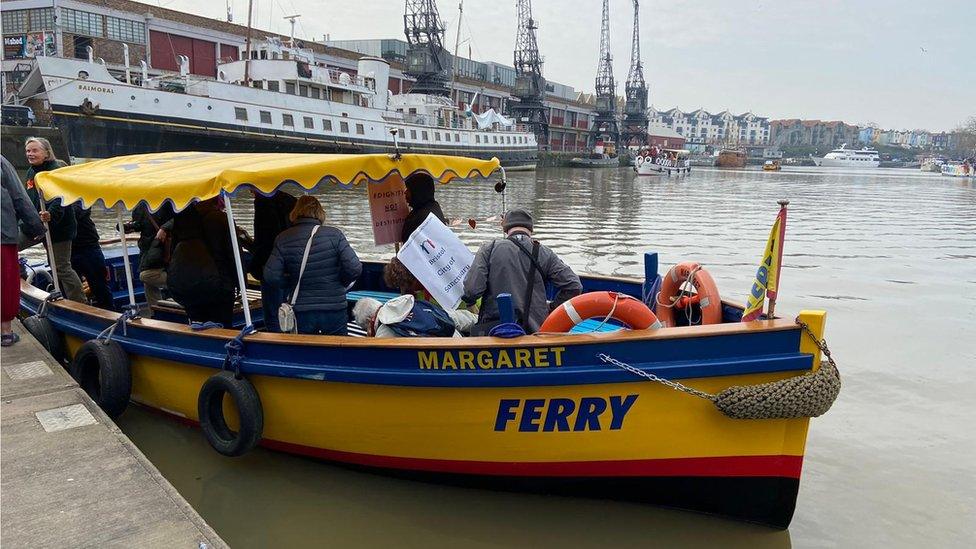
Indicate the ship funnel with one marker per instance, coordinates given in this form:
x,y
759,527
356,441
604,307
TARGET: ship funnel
x,y
378,70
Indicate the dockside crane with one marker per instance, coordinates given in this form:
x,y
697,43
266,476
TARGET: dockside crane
x,y
530,86
635,92
605,126
427,60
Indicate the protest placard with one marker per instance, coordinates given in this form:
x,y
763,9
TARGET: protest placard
x,y
387,208
439,261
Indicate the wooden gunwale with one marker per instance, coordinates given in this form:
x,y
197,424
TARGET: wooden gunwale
x,y
427,342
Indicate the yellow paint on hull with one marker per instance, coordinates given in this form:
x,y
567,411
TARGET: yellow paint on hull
x,y
459,423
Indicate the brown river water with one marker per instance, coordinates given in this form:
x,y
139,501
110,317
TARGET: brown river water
x,y
890,254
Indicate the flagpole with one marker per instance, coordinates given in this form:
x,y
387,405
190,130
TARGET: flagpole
x,y
772,299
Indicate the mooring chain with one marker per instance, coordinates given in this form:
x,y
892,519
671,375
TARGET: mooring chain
x,y
667,382
820,343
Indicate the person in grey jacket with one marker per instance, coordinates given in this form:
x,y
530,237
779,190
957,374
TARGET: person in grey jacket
x,y
16,214
332,266
520,266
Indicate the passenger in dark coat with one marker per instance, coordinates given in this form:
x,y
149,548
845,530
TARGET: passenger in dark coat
x,y
331,267
271,217
201,274
420,196
153,253
522,267
88,260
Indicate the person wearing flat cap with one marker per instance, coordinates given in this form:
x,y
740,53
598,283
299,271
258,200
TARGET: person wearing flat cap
x,y
520,266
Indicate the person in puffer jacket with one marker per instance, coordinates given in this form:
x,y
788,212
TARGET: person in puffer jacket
x,y
332,266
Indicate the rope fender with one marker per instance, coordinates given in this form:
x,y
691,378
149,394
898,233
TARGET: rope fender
x,y
809,395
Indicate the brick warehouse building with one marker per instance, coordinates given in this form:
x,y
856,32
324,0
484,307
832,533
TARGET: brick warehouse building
x,y
159,36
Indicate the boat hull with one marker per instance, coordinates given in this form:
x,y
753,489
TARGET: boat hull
x,y
648,167
542,415
109,133
733,159
835,163
958,170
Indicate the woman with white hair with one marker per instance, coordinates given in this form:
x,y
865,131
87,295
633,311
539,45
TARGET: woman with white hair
x,y
60,220
406,315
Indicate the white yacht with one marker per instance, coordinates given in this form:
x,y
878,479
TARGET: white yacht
x,y
849,158
290,105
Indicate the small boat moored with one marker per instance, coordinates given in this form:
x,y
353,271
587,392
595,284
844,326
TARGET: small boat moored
x,y
731,158
654,161
591,412
960,169
772,166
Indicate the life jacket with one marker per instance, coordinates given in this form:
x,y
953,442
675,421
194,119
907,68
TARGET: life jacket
x,y
424,320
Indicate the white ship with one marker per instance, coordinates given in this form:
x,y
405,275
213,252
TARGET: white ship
x,y
849,158
291,105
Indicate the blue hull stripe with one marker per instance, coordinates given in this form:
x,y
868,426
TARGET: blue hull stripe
x,y
711,356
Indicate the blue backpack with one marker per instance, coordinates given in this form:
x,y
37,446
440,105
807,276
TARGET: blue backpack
x,y
425,320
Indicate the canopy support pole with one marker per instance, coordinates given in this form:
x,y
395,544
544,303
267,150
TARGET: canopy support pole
x,y
50,245
504,184
237,260
125,258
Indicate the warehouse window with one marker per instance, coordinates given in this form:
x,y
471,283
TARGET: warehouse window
x,y
41,19
309,123
344,127
14,21
125,30
288,120
360,129
265,117
327,125
82,22
240,113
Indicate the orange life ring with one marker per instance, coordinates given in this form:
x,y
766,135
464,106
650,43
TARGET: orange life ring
x,y
622,307
672,297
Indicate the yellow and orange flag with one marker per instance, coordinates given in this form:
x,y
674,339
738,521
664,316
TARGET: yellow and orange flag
x,y
767,276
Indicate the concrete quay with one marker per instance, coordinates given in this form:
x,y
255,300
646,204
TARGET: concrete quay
x,y
69,477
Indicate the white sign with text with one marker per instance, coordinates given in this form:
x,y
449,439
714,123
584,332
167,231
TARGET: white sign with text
x,y
439,261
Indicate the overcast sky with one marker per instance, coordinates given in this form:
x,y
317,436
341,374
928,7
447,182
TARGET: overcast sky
x,y
900,64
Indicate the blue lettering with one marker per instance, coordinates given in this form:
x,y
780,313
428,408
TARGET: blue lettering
x,y
588,417
762,275
530,413
505,413
557,416
618,409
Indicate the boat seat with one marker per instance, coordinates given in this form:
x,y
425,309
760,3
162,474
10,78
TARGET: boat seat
x,y
170,307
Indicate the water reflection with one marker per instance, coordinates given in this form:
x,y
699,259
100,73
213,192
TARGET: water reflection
x,y
890,255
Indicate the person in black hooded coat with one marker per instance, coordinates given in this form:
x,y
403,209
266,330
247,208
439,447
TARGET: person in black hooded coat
x,y
201,275
420,196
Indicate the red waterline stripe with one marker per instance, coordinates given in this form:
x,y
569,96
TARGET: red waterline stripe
x,y
727,466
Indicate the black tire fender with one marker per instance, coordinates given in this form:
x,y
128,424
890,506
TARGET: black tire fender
x,y
101,368
211,411
49,338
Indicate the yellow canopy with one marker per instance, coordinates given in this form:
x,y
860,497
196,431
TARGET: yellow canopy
x,y
186,177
